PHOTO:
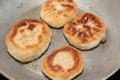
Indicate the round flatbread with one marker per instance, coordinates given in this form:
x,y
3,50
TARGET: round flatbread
x,y
63,63
28,39
85,31
57,12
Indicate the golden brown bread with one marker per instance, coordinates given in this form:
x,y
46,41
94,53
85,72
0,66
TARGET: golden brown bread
x,y
57,12
28,39
63,63
85,31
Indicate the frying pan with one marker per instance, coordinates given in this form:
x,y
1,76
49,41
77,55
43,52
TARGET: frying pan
x,y
99,63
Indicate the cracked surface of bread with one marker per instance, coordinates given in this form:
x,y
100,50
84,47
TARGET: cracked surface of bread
x,y
63,63
28,39
57,12
85,31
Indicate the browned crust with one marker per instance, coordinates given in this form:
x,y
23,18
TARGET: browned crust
x,y
86,34
67,4
30,24
57,12
57,70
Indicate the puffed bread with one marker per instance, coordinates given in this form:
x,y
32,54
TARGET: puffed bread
x,y
85,31
63,63
57,12
28,39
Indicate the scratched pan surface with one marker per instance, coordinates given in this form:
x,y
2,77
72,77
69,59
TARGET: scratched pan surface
x,y
99,63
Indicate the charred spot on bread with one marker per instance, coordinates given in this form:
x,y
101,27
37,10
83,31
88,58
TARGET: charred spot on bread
x,y
31,26
21,24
